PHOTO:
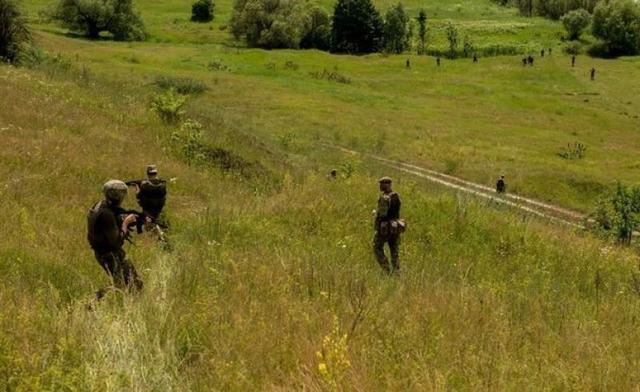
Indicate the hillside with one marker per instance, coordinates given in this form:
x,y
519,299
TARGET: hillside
x,y
271,283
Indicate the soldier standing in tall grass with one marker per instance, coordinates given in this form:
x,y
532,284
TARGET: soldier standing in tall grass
x,y
108,226
388,227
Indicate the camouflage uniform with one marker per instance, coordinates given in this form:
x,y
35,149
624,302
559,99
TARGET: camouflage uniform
x,y
105,235
385,233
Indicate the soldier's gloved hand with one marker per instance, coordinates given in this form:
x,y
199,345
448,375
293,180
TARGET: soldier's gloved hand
x,y
129,220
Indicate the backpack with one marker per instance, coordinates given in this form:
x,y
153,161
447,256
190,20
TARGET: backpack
x,y
152,195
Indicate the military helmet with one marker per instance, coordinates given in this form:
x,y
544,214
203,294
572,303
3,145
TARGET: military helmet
x,y
152,170
385,180
115,190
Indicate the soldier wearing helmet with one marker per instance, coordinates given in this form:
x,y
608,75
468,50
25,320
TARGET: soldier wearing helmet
x,y
107,228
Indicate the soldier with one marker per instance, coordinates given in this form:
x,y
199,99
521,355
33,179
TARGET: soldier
x,y
388,226
107,228
152,193
573,61
542,53
524,61
475,58
530,60
593,74
438,61
501,187
333,175
408,64
550,49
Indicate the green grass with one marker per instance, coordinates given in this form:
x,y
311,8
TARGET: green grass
x,y
271,271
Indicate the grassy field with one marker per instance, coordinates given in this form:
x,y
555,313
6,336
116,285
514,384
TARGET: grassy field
x,y
272,284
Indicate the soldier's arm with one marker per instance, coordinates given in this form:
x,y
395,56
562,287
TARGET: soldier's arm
x,y
133,182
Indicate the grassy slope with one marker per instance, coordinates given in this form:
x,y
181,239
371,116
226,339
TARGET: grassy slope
x,y
473,121
259,278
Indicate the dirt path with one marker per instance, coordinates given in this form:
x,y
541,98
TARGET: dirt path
x,y
531,206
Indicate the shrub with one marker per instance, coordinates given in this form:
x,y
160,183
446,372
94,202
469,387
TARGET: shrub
x,y
620,214
332,76
575,151
14,34
357,27
617,24
573,48
91,17
169,106
575,22
202,11
188,140
396,34
184,86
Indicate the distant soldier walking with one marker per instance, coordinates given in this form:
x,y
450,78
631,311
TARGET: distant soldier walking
x,y
593,74
333,175
107,228
388,226
542,53
408,64
501,187
475,58
438,61
524,61
573,61
530,60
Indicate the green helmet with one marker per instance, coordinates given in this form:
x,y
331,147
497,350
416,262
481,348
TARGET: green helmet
x,y
115,190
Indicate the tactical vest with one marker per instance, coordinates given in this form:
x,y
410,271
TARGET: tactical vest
x,y
95,236
384,203
152,196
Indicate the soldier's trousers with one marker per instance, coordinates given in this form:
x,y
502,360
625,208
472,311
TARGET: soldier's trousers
x,y
379,240
120,270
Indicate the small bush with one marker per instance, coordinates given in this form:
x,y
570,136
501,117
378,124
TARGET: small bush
x,y
291,65
575,22
202,11
184,86
575,151
573,48
14,34
169,106
217,65
188,140
332,76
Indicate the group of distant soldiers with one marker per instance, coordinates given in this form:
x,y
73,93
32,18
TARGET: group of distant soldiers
x,y
109,225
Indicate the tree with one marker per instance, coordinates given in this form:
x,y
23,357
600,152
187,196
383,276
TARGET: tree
x,y
621,213
422,31
13,31
318,33
357,27
452,38
275,24
202,11
575,22
617,24
396,34
91,17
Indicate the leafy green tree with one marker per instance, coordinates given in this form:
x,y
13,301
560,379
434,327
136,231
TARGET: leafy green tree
x,y
396,32
621,213
422,31
202,11
13,31
617,24
357,27
91,17
318,33
275,24
452,38
575,22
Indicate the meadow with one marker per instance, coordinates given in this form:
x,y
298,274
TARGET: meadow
x,y
271,283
